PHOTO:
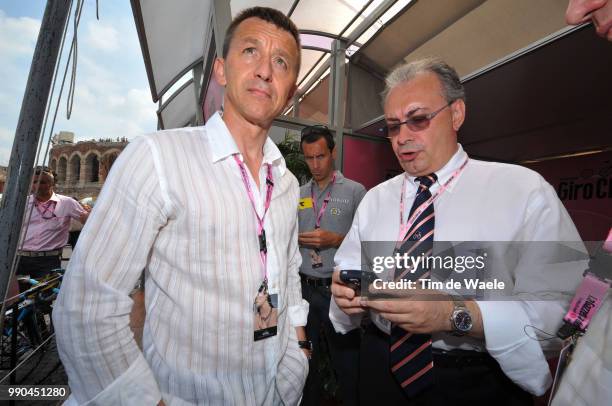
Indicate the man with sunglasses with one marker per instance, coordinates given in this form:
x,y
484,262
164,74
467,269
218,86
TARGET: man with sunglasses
x,y
48,224
326,209
446,349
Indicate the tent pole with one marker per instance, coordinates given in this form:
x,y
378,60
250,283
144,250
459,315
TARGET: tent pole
x,y
28,132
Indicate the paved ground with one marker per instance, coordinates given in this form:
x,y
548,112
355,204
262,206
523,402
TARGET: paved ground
x,y
42,368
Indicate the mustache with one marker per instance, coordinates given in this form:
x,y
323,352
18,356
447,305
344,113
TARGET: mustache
x,y
411,146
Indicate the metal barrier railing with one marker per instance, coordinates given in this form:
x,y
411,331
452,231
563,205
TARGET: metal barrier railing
x,y
28,327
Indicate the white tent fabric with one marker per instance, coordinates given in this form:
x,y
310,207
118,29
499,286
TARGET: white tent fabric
x,y
179,109
174,34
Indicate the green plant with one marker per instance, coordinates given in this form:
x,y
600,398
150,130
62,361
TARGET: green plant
x,y
290,148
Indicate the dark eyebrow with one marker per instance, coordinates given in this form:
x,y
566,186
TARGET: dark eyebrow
x,y
255,41
408,115
251,40
413,111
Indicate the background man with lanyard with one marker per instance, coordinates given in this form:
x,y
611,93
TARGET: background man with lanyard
x,y
450,350
48,226
326,209
209,213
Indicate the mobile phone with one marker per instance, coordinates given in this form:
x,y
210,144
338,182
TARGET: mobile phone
x,y
354,278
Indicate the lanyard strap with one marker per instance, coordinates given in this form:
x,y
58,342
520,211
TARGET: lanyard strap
x,y
261,232
591,292
404,228
47,207
325,201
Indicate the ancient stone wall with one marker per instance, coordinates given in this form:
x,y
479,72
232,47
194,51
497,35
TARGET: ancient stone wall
x,y
81,168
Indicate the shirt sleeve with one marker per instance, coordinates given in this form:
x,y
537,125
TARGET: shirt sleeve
x,y
542,288
298,307
91,314
348,256
76,210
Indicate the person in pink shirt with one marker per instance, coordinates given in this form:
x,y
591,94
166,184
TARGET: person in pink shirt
x,y
46,231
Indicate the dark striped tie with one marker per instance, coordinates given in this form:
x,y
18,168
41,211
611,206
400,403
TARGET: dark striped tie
x,y
410,355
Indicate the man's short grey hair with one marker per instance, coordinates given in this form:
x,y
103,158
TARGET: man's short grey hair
x,y
452,88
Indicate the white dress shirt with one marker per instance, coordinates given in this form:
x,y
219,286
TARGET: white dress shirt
x,y
175,205
487,202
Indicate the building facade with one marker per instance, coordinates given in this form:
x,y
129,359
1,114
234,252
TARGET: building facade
x,y
81,168
2,178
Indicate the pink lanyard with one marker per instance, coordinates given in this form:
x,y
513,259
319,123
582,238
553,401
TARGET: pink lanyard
x,y
261,232
325,201
47,207
402,237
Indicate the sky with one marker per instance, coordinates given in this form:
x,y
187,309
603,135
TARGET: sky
x,y
112,96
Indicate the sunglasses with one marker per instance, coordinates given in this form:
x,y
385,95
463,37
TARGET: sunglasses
x,y
414,123
313,129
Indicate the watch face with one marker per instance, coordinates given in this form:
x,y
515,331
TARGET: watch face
x,y
463,321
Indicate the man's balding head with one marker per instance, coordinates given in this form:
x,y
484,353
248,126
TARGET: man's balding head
x,y
42,184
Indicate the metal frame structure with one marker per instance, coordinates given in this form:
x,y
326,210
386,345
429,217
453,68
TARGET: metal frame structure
x,y
140,29
166,103
220,20
502,61
332,60
28,132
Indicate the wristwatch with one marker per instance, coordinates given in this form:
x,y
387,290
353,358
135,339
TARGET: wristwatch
x,y
305,345
461,318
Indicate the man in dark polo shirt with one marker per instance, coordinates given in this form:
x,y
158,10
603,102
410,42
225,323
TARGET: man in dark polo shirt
x,y
327,205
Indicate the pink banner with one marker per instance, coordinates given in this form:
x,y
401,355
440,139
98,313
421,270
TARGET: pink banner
x,y
369,162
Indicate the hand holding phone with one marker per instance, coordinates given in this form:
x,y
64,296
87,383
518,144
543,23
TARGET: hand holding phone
x,y
354,278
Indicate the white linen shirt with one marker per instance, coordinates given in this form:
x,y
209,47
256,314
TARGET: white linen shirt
x,y
488,202
175,205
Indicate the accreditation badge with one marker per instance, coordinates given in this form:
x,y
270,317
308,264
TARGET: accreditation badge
x,y
315,258
564,359
305,203
265,314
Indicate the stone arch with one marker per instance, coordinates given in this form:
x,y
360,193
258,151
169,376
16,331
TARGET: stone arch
x,y
92,167
107,161
74,169
62,166
54,165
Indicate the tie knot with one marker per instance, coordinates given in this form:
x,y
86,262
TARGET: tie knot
x,y
426,181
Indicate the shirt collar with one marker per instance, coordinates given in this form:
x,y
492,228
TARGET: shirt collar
x,y
222,145
339,179
53,198
448,169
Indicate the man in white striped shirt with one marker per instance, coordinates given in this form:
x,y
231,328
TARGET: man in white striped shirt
x,y
210,214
